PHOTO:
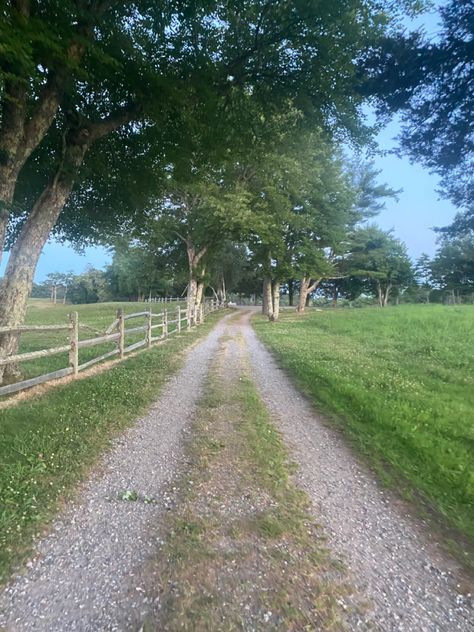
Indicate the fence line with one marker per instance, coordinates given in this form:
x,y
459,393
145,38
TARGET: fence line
x,y
166,299
116,333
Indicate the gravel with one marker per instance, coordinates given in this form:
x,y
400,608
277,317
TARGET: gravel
x,y
85,574
410,583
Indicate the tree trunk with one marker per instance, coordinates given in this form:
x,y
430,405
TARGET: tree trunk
x,y
7,187
264,298
224,292
16,284
379,294
20,136
199,293
275,301
304,285
18,279
267,306
291,292
191,297
386,295
194,260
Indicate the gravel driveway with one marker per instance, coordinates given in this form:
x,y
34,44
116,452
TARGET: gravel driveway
x,y
86,572
411,584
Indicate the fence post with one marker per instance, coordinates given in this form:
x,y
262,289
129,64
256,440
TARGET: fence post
x,y
121,331
148,330
190,317
165,323
179,319
74,340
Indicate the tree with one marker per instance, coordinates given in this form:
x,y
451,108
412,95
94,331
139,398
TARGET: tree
x,y
452,267
430,83
381,260
76,77
196,218
56,280
461,226
423,275
137,273
89,287
367,199
58,68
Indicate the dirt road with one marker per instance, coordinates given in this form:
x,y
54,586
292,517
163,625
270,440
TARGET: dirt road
x,y
86,574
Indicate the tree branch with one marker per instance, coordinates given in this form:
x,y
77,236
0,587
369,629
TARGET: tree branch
x,y
112,122
41,118
315,285
22,7
200,255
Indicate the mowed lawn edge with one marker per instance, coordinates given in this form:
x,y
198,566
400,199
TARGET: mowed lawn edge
x,y
400,384
49,443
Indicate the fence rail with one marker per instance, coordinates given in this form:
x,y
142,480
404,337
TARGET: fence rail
x,y
115,333
166,299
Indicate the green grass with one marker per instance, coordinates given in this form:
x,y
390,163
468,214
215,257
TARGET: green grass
x,y
401,383
48,443
96,318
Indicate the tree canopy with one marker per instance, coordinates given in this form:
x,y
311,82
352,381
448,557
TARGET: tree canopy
x,y
197,123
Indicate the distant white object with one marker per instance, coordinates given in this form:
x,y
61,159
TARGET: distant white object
x,y
231,304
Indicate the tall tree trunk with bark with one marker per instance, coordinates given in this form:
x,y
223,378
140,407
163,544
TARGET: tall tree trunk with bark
x,y
199,292
306,287
383,293
275,301
191,296
20,135
17,281
196,272
221,291
264,298
267,304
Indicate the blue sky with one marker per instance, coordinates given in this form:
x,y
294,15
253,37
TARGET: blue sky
x,y
411,218
419,207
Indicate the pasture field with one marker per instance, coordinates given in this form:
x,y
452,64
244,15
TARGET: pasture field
x,y
400,383
49,442
94,318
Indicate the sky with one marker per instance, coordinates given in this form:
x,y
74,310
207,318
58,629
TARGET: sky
x,y
418,210
419,207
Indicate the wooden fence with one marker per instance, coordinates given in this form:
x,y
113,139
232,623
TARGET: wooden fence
x,y
157,327
166,299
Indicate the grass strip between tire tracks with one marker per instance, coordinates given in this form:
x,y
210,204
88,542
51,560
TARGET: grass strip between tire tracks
x,y
49,443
